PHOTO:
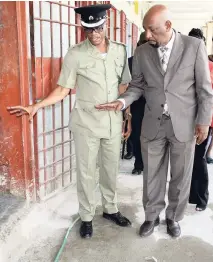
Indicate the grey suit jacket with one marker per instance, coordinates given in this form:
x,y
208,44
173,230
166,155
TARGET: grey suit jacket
x,y
186,87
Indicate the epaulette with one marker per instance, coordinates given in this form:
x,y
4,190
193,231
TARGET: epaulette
x,y
75,46
119,43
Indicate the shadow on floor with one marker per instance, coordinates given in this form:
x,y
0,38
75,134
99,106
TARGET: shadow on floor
x,y
9,204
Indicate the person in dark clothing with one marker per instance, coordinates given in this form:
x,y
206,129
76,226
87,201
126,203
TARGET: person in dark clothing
x,y
199,193
129,149
137,111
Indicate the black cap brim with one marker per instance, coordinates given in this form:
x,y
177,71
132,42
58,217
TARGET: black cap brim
x,y
93,15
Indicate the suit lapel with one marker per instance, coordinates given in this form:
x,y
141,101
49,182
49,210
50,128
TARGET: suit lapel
x,y
155,57
177,51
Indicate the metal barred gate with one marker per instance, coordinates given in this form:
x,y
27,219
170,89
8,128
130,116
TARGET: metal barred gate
x,y
53,27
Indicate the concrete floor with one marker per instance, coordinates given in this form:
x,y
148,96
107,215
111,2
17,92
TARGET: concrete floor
x,y
112,243
35,233
9,204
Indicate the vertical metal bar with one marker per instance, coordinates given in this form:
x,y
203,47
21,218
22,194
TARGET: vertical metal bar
x,y
62,103
68,9
53,107
115,24
77,29
70,100
33,89
82,38
43,94
134,36
123,27
108,23
29,173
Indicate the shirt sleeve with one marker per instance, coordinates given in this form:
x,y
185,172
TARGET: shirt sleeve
x,y
68,74
123,101
126,76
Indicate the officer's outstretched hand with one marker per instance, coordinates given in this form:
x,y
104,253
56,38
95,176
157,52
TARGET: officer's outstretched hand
x,y
113,106
21,110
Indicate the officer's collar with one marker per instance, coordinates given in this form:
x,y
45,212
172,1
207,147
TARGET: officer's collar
x,y
94,50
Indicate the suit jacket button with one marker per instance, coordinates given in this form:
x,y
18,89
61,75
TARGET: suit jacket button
x,y
159,118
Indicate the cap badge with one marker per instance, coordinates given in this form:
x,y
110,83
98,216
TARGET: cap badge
x,y
91,18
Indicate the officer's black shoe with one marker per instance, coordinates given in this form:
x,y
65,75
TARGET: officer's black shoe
x,y
128,156
137,171
118,219
86,229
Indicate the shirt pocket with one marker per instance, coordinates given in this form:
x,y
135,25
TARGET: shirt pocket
x,y
185,67
85,106
86,68
119,65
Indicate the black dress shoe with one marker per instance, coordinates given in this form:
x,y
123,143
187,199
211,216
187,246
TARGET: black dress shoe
x,y
86,229
173,228
147,227
137,171
128,156
118,219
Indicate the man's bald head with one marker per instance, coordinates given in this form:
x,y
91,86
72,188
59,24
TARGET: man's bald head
x,y
157,25
158,12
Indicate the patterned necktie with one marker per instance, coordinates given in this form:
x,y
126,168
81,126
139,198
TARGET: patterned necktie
x,y
163,50
163,61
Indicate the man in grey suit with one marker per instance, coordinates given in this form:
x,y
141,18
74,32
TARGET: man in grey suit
x,y
172,73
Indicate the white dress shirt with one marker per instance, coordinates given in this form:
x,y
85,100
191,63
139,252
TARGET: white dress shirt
x,y
166,55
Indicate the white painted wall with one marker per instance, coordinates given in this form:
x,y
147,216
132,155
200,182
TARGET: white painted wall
x,y
129,10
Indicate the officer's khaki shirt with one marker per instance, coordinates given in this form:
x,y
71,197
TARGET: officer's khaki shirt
x,y
96,79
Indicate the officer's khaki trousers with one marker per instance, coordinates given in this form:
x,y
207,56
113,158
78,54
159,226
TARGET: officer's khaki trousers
x,y
87,149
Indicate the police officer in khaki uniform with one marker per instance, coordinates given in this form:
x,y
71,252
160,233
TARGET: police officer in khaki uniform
x,y
95,67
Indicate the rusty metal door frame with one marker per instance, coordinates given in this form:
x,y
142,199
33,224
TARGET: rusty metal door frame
x,y
30,72
29,170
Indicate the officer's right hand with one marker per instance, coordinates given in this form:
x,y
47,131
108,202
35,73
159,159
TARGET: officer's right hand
x,y
113,106
21,110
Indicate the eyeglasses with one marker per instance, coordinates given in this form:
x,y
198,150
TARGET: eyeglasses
x,y
97,29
